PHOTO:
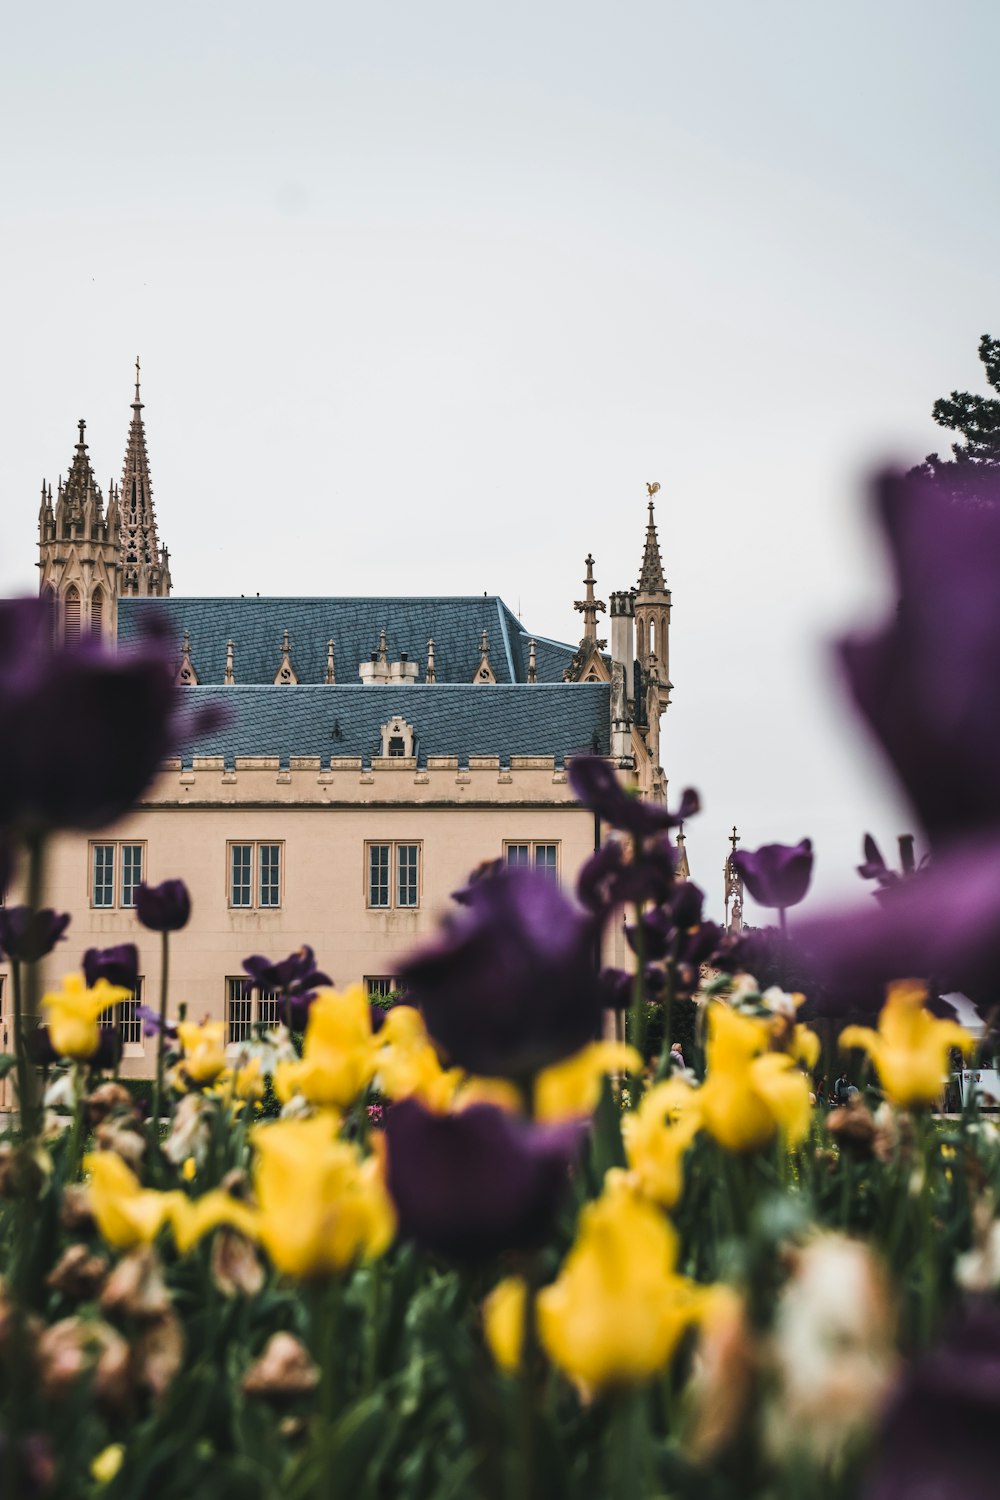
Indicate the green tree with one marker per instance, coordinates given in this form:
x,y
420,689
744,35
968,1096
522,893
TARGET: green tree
x,y
975,418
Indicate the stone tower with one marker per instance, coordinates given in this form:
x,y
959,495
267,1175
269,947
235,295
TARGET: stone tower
x,y
652,630
89,557
145,565
79,551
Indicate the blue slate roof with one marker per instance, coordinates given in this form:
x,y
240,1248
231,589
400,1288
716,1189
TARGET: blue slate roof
x,y
255,627
449,719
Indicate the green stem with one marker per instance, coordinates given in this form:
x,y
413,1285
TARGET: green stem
x,y
29,1100
161,1036
22,1062
75,1138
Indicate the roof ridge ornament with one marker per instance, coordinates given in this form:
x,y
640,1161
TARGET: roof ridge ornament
x,y
285,675
484,672
330,676
532,664
187,676
431,673
230,678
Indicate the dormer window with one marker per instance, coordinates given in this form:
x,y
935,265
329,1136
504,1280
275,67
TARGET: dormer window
x,y
398,739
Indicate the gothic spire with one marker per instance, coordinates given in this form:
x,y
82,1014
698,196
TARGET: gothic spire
x,y
589,606
81,488
144,565
651,579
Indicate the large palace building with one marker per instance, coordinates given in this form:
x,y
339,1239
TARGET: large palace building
x,y
374,751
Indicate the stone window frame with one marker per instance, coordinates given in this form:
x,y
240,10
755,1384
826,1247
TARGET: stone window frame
x,y
398,728
393,903
263,1007
255,902
532,846
117,847
373,986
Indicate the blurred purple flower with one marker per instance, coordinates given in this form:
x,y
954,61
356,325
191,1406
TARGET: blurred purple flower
x,y
776,875
595,783
109,1049
943,926
26,935
926,679
151,1023
163,908
939,1436
510,984
476,1183
117,711
118,965
611,878
295,979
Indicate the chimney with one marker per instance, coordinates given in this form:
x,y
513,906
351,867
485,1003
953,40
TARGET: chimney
x,y
623,638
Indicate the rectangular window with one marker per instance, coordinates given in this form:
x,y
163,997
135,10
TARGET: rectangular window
x,y
246,1010
406,874
378,986
393,876
379,858
126,1017
115,871
255,876
270,874
131,872
241,877
103,882
544,857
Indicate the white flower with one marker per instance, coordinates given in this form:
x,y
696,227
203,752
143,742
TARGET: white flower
x,y
189,1135
779,1002
62,1092
832,1349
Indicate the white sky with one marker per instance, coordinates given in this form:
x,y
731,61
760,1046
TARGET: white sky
x,y
425,293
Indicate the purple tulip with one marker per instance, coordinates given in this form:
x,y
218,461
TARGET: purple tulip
x,y
118,965
479,1182
943,925
295,979
163,908
939,1437
151,1023
109,1048
596,785
609,878
926,679
775,874
26,935
118,711
510,984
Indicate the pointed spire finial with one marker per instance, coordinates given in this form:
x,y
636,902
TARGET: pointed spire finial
x,y
431,673
331,669
383,650
137,402
83,427
230,677
651,579
532,664
588,606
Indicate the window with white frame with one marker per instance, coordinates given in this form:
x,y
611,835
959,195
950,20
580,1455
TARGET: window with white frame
x,y
393,875
248,1010
533,854
116,869
255,876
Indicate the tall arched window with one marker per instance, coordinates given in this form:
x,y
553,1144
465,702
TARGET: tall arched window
x,y
652,637
71,614
97,613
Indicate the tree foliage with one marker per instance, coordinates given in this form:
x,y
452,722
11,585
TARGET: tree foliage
x,y
975,418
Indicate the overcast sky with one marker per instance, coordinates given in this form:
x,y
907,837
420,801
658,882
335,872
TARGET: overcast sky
x,y
425,294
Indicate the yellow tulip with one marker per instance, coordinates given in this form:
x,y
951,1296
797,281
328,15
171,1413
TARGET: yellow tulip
x,y
127,1213
74,1011
204,1049
910,1049
193,1218
618,1309
338,1056
407,1065
572,1087
107,1463
749,1094
321,1206
503,1322
656,1137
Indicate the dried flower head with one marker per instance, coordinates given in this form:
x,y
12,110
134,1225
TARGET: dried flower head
x,y
78,1273
283,1372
